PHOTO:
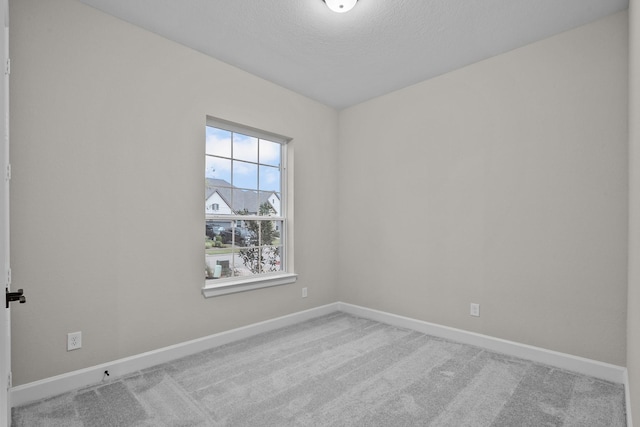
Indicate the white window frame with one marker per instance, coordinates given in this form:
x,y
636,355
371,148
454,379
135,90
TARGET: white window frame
x,y
219,287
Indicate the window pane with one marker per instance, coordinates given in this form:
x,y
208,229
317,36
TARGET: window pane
x,y
256,260
244,264
217,168
266,236
245,147
268,204
245,175
217,191
245,202
270,153
219,260
269,178
270,261
218,142
218,254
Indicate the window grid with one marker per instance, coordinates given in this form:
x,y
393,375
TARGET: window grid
x,y
247,230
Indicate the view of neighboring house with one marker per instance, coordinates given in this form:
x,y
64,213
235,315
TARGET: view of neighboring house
x,y
221,198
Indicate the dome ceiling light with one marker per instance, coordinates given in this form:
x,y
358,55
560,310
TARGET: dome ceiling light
x,y
340,6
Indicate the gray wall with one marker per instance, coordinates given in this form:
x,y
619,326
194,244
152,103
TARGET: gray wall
x,y
512,174
107,124
503,183
633,326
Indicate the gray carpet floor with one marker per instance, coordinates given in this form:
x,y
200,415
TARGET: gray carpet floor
x,y
339,370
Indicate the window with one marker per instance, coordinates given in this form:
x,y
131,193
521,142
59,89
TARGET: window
x,y
245,209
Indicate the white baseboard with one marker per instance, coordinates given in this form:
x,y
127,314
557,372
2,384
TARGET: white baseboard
x,y
48,387
627,396
569,362
52,386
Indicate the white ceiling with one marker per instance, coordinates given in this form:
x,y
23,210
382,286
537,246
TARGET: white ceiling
x,y
343,59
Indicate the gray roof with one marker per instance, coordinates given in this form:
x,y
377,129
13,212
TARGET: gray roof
x,y
242,199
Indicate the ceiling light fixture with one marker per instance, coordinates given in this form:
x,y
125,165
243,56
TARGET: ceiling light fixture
x,y
340,6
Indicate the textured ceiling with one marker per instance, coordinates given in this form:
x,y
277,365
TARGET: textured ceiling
x,y
343,59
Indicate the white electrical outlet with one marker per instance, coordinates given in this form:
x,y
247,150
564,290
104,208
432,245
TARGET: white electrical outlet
x,y
74,340
304,292
475,310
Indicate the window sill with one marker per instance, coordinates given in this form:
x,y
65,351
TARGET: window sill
x,y
215,290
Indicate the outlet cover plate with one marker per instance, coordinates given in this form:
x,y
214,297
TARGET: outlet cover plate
x,y
74,340
475,310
